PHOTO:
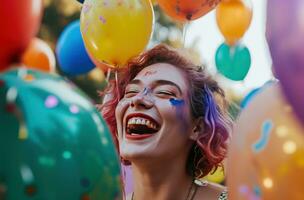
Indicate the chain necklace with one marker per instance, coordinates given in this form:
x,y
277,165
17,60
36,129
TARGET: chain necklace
x,y
190,195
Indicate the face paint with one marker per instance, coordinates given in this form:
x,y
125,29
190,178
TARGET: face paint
x,y
177,102
149,73
145,91
168,114
147,94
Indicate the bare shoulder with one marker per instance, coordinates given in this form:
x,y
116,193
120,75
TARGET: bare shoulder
x,y
209,191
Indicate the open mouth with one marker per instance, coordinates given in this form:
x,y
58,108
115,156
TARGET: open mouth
x,y
140,126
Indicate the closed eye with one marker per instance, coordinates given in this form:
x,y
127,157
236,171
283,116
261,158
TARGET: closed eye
x,y
131,93
164,93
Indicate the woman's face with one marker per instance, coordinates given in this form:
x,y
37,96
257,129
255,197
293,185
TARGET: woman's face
x,y
153,117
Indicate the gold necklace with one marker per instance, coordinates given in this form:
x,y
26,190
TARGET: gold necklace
x,y
190,195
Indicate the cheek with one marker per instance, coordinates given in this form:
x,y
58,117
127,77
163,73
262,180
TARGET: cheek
x,y
181,107
175,112
120,110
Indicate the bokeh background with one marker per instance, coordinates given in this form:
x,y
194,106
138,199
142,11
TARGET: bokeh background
x,y
202,39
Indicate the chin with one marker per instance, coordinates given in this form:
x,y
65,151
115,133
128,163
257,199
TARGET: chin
x,y
135,154
130,154
131,157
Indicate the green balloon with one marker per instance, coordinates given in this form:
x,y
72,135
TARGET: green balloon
x,y
233,62
53,142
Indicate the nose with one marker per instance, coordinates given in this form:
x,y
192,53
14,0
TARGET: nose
x,y
142,100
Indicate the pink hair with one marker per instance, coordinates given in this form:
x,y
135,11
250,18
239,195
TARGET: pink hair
x,y
207,101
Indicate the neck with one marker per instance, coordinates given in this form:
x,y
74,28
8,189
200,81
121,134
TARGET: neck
x,y
161,180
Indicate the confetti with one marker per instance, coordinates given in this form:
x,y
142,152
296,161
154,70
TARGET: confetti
x,y
74,109
103,20
51,101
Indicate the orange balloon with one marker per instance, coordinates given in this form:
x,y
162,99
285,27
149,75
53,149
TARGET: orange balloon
x,y
186,10
233,18
39,55
266,157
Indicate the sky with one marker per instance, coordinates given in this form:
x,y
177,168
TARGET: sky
x,y
209,38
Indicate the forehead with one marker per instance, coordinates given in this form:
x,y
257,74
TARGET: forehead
x,y
163,71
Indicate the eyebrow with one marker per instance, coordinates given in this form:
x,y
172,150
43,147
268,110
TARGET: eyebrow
x,y
158,82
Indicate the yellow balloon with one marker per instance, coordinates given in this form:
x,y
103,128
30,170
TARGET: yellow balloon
x,y
266,157
217,177
116,30
233,18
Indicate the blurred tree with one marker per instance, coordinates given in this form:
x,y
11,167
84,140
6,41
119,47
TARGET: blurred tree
x,y
57,14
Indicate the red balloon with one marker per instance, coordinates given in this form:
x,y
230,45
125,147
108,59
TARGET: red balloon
x,y
186,10
19,23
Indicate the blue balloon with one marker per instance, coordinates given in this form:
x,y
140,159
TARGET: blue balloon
x,y
71,53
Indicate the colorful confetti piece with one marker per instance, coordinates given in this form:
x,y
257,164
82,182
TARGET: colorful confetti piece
x,y
51,101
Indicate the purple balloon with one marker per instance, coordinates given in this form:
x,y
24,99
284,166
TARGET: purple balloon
x,y
285,35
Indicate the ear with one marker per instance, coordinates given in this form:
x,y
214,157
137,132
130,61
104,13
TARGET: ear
x,y
198,127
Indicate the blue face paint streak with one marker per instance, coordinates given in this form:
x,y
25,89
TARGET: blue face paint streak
x,y
265,135
145,92
177,102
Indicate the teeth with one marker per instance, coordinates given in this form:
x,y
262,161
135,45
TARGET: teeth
x,y
137,120
134,134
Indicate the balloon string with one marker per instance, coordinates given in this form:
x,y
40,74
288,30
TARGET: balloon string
x,y
108,74
232,50
116,80
185,29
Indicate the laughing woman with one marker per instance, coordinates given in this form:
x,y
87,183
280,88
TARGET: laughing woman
x,y
171,124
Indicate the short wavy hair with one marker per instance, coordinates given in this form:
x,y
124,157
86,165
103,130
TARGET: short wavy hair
x,y
207,101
